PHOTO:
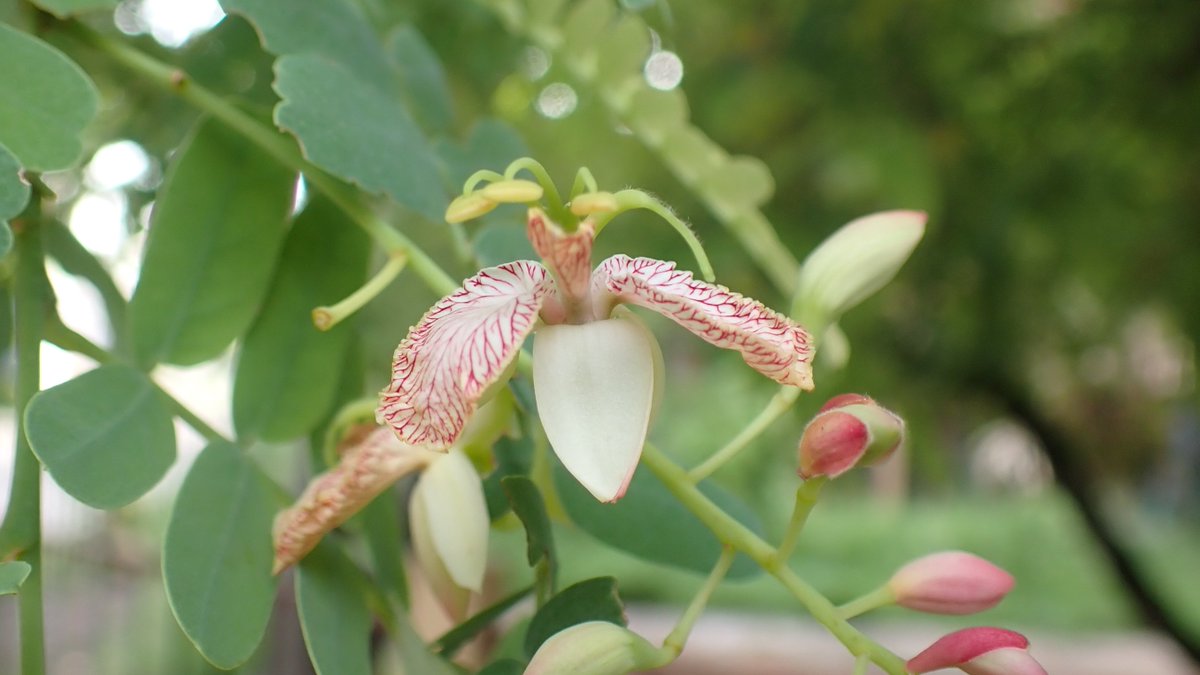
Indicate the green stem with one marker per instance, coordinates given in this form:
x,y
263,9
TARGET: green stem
x,y
860,664
325,318
806,498
58,334
558,211
636,199
674,643
21,534
283,149
880,597
776,407
732,533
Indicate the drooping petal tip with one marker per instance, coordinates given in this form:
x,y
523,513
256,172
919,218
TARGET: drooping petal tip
x,y
461,348
367,467
769,342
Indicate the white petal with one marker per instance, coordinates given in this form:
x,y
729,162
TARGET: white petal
x,y
450,496
595,388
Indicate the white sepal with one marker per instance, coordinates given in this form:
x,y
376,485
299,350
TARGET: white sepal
x,y
449,523
595,389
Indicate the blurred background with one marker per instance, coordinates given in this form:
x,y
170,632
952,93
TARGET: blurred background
x,y
1040,343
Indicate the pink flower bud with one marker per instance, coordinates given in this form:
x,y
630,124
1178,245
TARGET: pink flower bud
x,y
851,430
979,651
950,582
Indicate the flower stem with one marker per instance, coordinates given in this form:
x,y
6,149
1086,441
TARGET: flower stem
x,y
860,664
58,334
20,535
806,498
736,535
880,597
673,644
776,407
283,149
327,317
636,199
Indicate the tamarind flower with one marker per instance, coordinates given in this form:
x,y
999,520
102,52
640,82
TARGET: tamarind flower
x,y
593,364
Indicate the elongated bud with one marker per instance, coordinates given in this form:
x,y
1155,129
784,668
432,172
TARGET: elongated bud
x,y
594,648
466,207
979,651
851,430
513,191
950,582
448,519
854,263
594,202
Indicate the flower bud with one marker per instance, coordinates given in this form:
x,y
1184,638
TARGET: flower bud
x,y
851,430
854,263
950,582
594,648
449,523
979,651
466,207
514,191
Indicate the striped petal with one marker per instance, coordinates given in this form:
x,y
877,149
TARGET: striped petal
x,y
769,342
461,347
569,256
368,466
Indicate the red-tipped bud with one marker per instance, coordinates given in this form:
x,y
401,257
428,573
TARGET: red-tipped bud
x,y
851,430
950,582
979,651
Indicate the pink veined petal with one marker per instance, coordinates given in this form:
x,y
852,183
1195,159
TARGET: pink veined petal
x,y
366,469
569,256
461,346
769,342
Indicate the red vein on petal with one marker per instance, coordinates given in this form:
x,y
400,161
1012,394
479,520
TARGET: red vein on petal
x,y
462,345
568,255
769,342
366,469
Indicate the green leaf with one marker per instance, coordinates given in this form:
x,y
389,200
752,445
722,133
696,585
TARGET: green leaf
x,y
422,79
384,531
45,102
12,575
590,600
415,655
504,667
461,634
514,456
673,536
214,235
491,144
217,555
106,436
14,195
284,374
65,8
357,132
527,503
333,613
335,29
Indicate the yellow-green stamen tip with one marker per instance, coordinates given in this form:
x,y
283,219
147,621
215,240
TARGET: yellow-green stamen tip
x,y
466,207
515,191
594,202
